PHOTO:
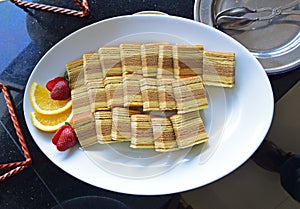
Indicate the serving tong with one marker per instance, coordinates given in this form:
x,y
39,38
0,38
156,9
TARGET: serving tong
x,y
236,18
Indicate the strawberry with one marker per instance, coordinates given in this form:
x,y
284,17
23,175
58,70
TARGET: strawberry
x,y
57,134
61,90
50,84
64,138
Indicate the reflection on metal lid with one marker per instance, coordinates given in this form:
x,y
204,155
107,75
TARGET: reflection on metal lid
x,y
274,41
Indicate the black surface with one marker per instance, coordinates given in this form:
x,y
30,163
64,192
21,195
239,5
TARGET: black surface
x,y
44,185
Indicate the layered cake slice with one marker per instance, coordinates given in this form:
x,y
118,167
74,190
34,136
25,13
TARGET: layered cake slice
x,y
189,129
114,91
131,90
91,67
219,69
97,96
189,94
121,126
187,60
165,94
103,121
110,61
165,62
83,118
75,74
131,59
149,55
163,134
149,94
93,80
80,100
141,131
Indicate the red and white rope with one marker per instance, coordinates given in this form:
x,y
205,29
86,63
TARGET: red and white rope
x,y
15,166
83,6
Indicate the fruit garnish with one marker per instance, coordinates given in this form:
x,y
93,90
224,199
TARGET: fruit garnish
x,y
50,123
61,90
64,138
42,102
50,84
56,136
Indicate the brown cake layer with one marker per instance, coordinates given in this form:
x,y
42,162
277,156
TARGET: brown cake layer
x,y
165,94
164,137
189,94
141,131
132,91
165,62
110,61
189,129
83,119
188,60
149,94
149,55
91,67
114,91
131,58
97,96
121,123
219,69
103,126
75,73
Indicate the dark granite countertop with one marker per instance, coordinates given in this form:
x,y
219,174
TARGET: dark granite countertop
x,y
25,36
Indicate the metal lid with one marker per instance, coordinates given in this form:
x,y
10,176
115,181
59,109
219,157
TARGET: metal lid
x,y
275,42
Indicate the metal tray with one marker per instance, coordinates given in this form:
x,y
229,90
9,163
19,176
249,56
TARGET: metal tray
x,y
275,43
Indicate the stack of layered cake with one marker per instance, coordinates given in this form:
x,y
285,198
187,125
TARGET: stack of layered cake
x,y
150,95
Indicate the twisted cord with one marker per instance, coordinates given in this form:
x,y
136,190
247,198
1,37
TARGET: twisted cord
x,y
84,7
18,166
15,121
12,172
13,165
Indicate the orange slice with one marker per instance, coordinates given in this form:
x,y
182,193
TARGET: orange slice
x,y
42,103
50,123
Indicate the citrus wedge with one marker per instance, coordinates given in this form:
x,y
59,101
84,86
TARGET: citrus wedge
x,y
42,103
50,123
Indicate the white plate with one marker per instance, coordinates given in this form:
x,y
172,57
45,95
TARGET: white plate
x,y
245,111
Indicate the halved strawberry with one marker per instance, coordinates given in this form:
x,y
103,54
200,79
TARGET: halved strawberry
x,y
50,84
